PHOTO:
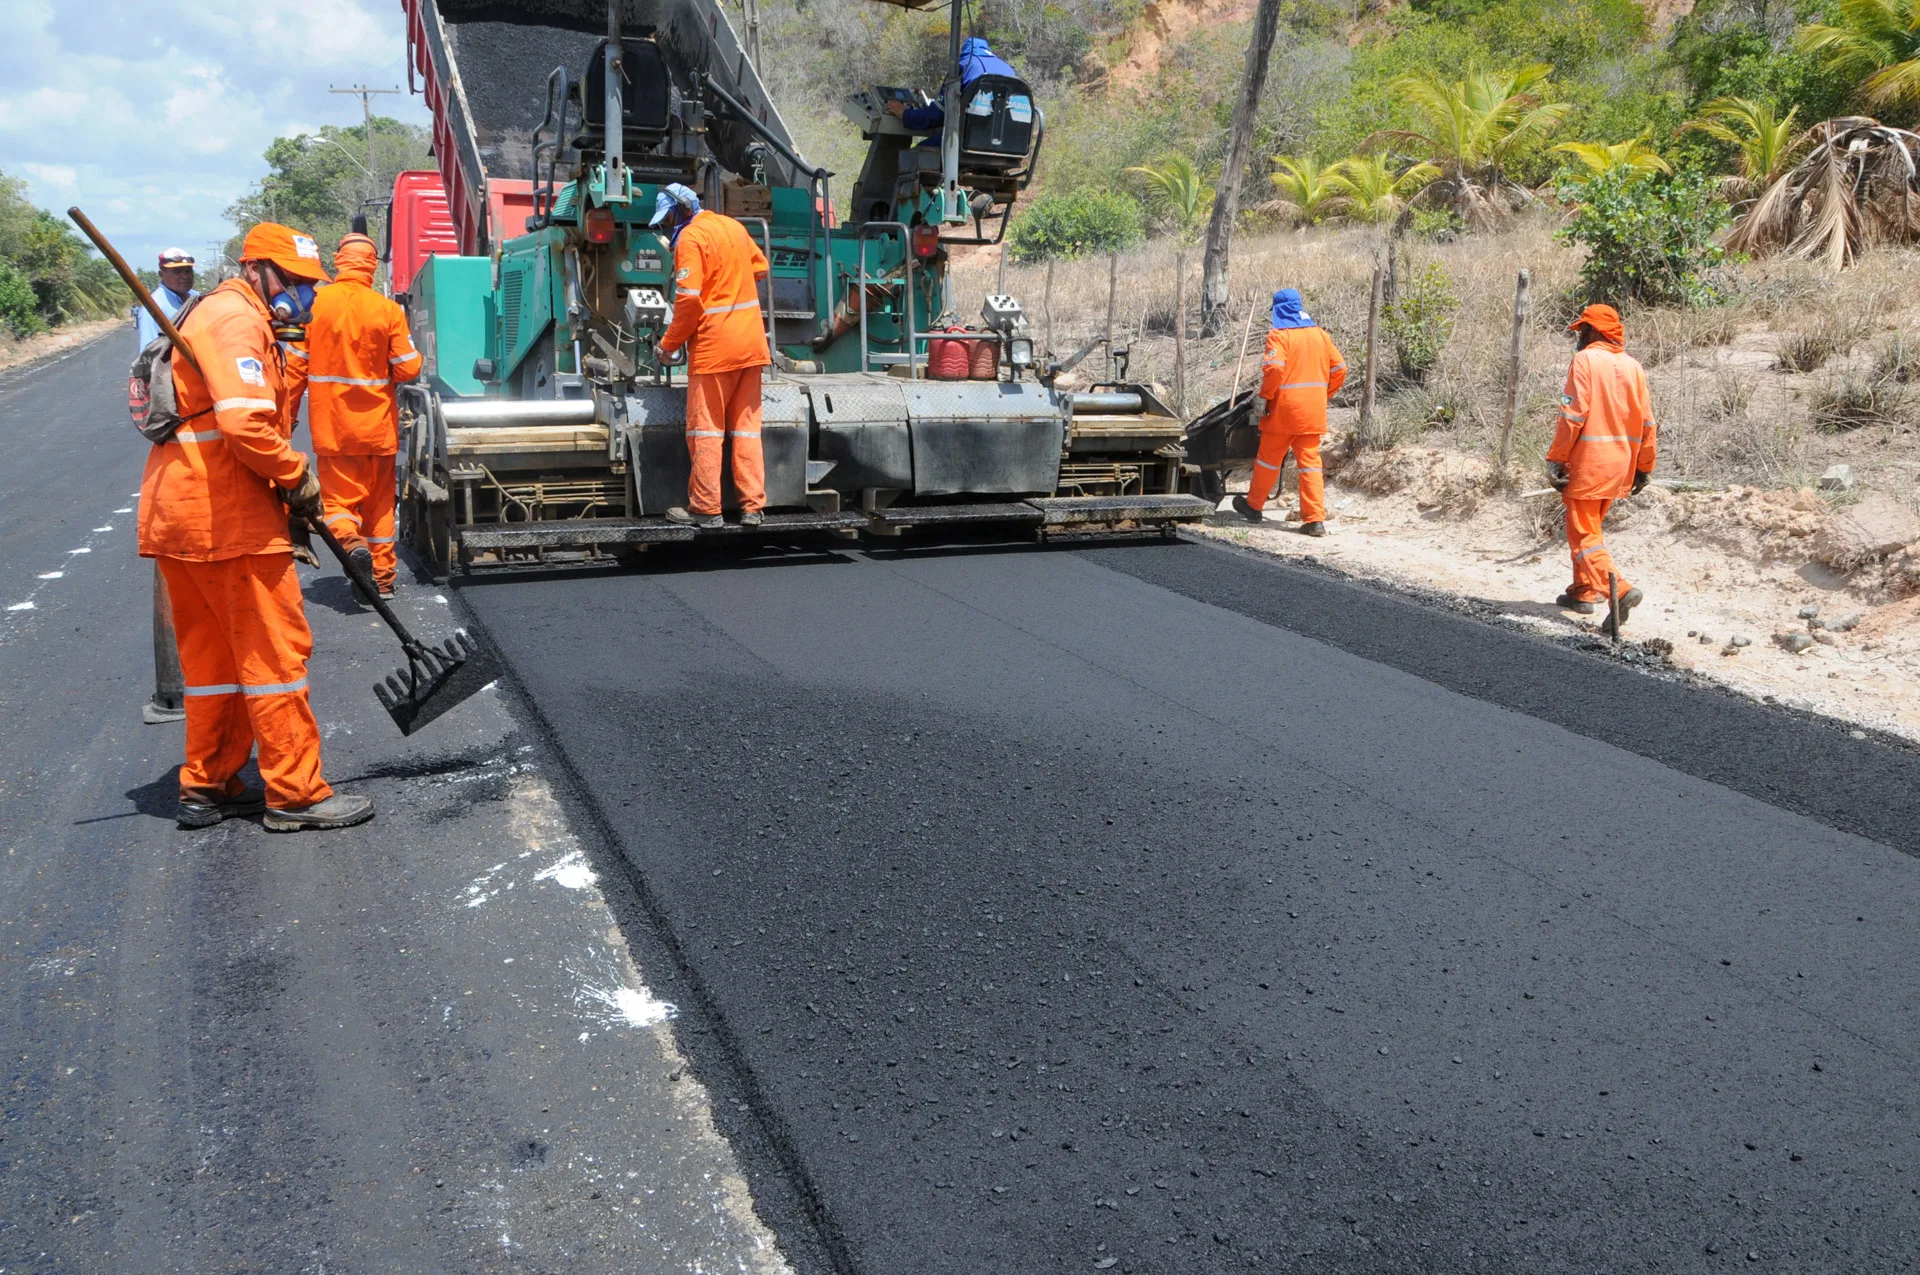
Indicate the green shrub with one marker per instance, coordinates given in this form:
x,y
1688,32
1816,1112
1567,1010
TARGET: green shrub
x,y
1442,225
18,304
1648,239
1420,320
1076,224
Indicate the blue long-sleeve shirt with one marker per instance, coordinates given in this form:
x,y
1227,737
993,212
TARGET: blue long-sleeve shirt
x,y
976,60
145,330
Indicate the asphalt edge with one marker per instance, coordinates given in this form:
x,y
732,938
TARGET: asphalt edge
x,y
760,1144
1650,678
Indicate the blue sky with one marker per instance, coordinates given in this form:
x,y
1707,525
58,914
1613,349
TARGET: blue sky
x,y
152,114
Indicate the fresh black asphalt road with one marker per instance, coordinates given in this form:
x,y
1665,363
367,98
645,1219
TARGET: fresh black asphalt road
x,y
1142,908
1069,911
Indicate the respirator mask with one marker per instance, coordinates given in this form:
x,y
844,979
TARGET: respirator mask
x,y
291,306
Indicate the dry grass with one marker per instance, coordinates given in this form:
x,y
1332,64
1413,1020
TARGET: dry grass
x,y
1724,417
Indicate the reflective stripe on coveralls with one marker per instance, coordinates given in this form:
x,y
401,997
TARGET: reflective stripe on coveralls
x,y
716,266
244,645
717,262
1605,436
358,348
1298,414
208,493
360,498
1592,563
732,400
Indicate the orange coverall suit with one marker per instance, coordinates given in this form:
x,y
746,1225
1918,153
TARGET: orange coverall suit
x,y
210,517
1605,436
1302,370
358,348
716,314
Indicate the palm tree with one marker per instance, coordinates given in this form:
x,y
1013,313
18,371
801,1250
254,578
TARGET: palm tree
x,y
1309,190
1858,186
1634,154
1373,192
1878,40
1766,144
1471,129
1177,185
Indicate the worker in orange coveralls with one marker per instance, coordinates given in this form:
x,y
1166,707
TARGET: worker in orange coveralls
x,y
358,349
1302,370
213,515
1603,449
717,316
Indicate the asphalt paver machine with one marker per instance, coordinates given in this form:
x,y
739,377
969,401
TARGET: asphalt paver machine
x,y
546,427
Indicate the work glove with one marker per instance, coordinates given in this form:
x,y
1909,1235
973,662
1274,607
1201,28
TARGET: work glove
x,y
1640,481
304,497
1557,475
302,541
670,358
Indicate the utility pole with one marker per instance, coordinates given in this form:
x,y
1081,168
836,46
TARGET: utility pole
x,y
366,96
753,34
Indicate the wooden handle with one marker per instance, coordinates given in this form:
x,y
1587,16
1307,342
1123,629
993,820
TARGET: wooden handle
x,y
132,281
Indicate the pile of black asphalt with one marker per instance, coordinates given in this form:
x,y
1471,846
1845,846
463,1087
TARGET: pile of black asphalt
x,y
1157,909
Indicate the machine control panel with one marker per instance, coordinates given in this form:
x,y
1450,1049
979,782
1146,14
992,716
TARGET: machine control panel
x,y
1003,314
868,109
647,310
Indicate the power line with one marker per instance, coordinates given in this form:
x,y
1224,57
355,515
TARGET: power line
x,y
366,96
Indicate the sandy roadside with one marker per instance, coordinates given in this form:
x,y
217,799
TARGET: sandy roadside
x,y
1709,581
59,341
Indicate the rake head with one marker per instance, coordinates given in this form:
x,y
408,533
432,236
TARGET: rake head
x,y
439,677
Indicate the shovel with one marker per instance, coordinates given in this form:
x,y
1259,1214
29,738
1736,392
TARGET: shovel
x,y
436,676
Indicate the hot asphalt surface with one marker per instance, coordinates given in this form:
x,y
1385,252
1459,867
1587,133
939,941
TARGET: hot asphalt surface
x,y
1146,908
1059,916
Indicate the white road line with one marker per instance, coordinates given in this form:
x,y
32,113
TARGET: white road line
x,y
127,510
21,606
108,527
82,549
51,575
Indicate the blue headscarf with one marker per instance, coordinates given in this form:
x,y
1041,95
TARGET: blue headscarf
x,y
1287,312
671,196
976,60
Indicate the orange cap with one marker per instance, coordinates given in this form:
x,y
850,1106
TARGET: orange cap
x,y
294,253
1605,322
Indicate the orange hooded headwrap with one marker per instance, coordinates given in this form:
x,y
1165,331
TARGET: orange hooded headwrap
x,y
356,259
1605,322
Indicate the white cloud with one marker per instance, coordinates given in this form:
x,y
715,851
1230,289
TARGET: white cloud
x,y
60,176
154,114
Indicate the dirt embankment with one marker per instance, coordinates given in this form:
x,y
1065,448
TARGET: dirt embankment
x,y
14,353
1806,598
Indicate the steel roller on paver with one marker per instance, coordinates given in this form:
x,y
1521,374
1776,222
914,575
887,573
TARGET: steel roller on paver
x,y
547,428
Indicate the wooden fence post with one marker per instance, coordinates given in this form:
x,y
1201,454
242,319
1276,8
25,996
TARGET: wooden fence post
x,y
1113,295
1180,334
1365,429
1048,304
1514,353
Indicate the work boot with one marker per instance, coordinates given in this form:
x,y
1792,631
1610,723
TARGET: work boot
x,y
687,518
205,814
390,588
337,811
157,711
1568,602
752,518
1628,601
1246,510
1313,528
